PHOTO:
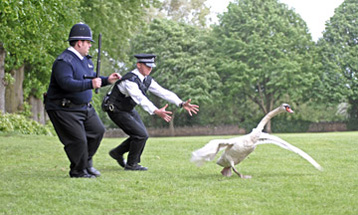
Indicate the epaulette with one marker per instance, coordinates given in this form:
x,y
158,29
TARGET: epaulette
x,y
65,57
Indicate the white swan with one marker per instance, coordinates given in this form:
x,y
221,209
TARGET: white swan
x,y
238,148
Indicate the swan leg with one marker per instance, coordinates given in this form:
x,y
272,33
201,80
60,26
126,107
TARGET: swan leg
x,y
226,171
239,174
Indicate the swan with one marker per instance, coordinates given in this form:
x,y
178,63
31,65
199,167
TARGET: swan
x,y
238,148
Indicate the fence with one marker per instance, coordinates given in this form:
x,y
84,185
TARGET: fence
x,y
221,130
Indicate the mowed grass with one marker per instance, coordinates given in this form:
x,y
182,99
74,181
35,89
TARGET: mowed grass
x,y
34,179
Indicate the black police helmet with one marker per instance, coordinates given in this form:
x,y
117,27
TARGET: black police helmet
x,y
80,31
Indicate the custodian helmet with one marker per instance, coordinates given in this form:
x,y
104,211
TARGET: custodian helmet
x,y
80,31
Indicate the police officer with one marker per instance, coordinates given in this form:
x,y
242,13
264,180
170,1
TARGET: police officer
x,y
68,104
129,92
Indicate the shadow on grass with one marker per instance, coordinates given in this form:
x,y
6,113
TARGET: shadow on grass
x,y
263,175
282,174
112,169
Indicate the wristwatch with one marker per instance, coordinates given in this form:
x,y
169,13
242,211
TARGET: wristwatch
x,y
181,104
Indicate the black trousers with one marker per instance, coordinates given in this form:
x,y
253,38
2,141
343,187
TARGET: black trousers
x,y
131,123
80,132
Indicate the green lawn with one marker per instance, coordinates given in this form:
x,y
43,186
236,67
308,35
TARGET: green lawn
x,y
34,179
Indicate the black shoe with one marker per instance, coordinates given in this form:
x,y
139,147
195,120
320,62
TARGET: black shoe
x,y
93,171
119,158
135,167
81,174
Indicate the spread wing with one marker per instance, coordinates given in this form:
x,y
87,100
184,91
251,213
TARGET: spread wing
x,y
266,138
208,152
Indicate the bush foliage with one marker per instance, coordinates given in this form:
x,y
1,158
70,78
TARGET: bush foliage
x,y
20,124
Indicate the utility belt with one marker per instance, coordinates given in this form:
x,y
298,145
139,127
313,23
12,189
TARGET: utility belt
x,y
107,105
66,103
115,107
114,101
111,105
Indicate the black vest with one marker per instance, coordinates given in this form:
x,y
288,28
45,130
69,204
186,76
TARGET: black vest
x,y
119,100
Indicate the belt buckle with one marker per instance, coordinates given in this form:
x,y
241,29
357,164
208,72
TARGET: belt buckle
x,y
65,103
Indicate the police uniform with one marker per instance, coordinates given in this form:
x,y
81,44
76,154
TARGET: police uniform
x,y
68,106
126,94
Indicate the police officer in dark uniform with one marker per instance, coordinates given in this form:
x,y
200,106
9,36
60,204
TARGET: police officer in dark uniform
x,y
126,94
68,104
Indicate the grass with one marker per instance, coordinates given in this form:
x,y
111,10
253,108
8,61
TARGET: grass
x,y
34,179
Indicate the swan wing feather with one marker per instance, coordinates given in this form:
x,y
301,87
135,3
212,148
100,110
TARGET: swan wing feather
x,y
266,138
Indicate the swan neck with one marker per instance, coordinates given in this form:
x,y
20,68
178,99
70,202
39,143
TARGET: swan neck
x,y
267,118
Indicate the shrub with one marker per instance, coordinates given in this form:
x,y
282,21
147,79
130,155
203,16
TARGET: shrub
x,y
20,124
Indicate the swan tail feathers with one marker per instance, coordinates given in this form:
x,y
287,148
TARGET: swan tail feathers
x,y
208,152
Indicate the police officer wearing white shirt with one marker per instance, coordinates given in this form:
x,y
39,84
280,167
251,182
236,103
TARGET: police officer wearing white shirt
x,y
129,92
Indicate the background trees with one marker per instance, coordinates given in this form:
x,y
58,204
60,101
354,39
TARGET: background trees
x,y
259,55
192,12
339,53
31,33
264,53
118,21
183,62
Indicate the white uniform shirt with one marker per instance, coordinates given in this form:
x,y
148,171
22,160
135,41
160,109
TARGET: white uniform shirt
x,y
130,88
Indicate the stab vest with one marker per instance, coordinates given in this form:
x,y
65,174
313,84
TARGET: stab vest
x,y
119,100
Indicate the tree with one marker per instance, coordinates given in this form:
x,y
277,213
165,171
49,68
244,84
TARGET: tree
x,y
339,58
31,32
193,12
182,61
117,21
2,78
265,53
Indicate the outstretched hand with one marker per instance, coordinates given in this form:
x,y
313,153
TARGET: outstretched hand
x,y
162,113
190,107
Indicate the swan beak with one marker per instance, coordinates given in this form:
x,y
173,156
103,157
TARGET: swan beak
x,y
288,109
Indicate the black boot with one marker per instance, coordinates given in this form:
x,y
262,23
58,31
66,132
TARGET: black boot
x,y
81,174
91,170
119,158
135,167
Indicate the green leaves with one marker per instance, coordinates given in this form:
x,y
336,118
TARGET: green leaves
x,y
117,21
339,55
33,33
266,47
184,59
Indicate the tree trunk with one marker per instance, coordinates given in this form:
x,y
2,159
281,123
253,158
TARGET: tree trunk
x,y
2,81
268,127
171,126
269,109
14,96
38,110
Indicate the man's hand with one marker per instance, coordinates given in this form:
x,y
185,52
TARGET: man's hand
x,y
96,83
114,77
162,113
190,107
